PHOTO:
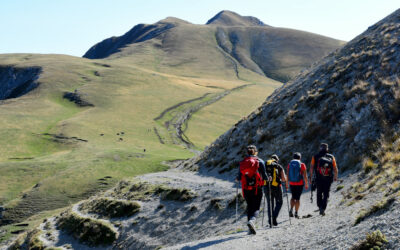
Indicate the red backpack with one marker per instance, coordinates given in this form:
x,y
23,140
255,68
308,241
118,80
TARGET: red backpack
x,y
251,178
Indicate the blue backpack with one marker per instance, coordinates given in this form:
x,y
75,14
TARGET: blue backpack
x,y
294,171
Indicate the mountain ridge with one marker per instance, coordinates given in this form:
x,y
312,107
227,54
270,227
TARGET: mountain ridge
x,y
268,51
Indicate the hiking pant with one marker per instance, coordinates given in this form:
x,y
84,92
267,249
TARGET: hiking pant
x,y
323,188
276,201
253,201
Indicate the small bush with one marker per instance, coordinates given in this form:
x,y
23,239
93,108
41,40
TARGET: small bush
x,y
369,165
382,205
111,208
86,230
241,201
340,187
216,204
375,240
177,194
35,243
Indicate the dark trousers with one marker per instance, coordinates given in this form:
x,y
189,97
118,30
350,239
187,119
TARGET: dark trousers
x,y
323,188
253,200
276,201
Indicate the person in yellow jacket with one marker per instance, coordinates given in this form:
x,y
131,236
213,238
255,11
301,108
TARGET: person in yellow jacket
x,y
277,177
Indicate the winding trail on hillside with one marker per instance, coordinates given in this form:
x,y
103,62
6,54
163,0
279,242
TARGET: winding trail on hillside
x,y
182,112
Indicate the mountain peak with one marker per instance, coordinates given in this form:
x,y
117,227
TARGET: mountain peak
x,y
230,18
173,20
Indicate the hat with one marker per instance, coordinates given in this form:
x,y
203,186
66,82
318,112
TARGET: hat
x,y
275,157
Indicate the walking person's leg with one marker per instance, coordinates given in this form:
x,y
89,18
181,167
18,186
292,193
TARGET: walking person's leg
x,y
266,188
292,200
326,190
319,195
278,203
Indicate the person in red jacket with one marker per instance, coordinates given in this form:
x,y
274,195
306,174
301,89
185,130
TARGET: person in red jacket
x,y
297,178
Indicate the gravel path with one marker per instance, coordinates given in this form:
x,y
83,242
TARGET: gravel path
x,y
199,224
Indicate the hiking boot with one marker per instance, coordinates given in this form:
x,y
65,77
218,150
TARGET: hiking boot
x,y
322,212
274,222
296,216
290,213
252,227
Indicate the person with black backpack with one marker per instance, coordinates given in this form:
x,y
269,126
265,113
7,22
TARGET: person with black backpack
x,y
297,178
251,174
326,172
277,174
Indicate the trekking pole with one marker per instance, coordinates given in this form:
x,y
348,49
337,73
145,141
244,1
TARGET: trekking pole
x,y
287,202
270,204
262,223
312,183
237,198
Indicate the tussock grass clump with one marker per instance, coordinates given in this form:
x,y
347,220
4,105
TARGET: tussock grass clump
x,y
382,205
90,231
375,240
241,201
369,165
216,204
144,191
28,240
111,208
177,194
35,243
340,187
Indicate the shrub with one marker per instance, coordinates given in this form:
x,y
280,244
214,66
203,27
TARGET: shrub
x,y
369,165
241,201
340,187
177,194
374,240
216,204
382,205
90,231
111,208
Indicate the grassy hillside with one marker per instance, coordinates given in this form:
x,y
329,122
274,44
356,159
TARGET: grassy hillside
x,y
228,39
55,152
165,92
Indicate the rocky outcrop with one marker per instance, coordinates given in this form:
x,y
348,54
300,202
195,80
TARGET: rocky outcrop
x,y
15,82
350,99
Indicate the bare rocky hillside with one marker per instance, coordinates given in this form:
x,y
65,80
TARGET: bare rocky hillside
x,y
350,99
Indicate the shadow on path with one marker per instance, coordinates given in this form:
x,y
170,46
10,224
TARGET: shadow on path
x,y
211,243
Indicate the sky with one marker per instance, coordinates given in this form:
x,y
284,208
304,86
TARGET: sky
x,y
72,26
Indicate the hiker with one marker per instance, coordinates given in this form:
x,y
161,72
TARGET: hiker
x,y
277,174
326,172
251,174
297,178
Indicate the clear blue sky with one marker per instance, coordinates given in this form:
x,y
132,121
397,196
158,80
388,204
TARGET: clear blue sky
x,y
73,26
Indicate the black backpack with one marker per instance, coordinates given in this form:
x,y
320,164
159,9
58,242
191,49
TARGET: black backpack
x,y
325,166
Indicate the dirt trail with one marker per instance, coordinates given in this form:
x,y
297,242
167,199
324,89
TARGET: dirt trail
x,y
182,112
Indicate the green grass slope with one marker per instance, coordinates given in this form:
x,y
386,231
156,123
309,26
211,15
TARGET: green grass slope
x,y
228,39
55,152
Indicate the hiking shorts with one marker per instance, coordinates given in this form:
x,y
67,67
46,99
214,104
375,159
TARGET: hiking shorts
x,y
296,191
